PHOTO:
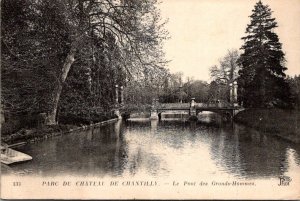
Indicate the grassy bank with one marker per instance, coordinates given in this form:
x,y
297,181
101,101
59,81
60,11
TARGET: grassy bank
x,y
32,132
276,122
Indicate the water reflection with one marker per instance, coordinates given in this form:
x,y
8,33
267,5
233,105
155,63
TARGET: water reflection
x,y
247,153
209,148
98,151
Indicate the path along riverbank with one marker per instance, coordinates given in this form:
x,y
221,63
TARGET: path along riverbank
x,y
276,122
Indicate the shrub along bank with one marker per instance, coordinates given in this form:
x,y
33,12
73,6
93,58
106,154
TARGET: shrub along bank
x,y
15,131
276,122
34,134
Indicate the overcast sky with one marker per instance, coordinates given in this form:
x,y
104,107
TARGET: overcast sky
x,y
203,30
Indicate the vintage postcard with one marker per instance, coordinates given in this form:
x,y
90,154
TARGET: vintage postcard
x,y
150,99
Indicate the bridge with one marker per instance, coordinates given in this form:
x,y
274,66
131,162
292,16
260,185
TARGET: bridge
x,y
228,108
194,108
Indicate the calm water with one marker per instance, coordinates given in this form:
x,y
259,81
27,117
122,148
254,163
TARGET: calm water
x,y
210,148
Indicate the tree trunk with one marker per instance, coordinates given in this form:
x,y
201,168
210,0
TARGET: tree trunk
x,y
51,117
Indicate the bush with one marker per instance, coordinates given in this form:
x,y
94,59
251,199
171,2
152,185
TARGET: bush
x,y
126,115
274,121
14,124
81,119
10,127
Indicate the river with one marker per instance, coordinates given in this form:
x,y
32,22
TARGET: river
x,y
209,148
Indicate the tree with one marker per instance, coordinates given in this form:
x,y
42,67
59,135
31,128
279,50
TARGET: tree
x,y
262,79
295,90
133,23
227,71
148,84
120,37
217,91
224,74
33,48
90,85
197,89
173,88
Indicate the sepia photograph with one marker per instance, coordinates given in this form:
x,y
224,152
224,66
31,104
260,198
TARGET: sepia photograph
x,y
150,99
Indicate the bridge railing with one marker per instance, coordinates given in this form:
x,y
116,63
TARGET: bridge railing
x,y
197,105
174,105
213,105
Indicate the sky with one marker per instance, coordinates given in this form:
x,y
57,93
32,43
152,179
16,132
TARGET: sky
x,y
202,32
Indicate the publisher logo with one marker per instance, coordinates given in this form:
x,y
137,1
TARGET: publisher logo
x,y
284,181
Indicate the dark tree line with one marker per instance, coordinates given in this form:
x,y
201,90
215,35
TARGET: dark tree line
x,y
294,83
67,55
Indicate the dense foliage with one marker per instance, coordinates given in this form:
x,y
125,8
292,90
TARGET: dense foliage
x,y
66,56
262,81
294,83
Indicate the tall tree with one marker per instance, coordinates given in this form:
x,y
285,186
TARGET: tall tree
x,y
118,36
262,79
34,43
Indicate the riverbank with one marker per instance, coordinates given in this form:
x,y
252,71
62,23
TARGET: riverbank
x,y
24,136
276,122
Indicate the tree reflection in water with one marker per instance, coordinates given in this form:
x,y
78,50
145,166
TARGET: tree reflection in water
x,y
163,149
